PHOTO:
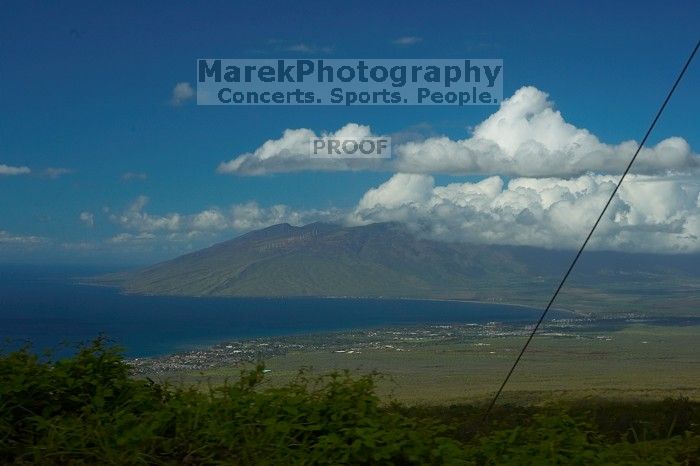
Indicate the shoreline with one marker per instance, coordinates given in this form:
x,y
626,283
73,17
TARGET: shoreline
x,y
124,292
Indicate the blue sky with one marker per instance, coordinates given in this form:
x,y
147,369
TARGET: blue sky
x,y
86,87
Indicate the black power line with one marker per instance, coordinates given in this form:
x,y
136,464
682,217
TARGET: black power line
x,y
595,225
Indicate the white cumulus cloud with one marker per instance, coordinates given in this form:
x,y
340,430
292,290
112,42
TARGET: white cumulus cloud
x,y
182,92
407,40
131,176
135,218
7,238
87,218
291,153
650,213
526,136
8,170
236,218
56,172
129,238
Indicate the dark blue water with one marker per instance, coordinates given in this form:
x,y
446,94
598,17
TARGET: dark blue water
x,y
48,307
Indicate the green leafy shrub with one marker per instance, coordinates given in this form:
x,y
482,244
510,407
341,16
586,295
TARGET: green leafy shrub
x,y
88,410
564,441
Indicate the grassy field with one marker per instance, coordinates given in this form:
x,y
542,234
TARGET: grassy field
x,y
636,361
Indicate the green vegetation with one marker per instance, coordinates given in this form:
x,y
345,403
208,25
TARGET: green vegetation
x,y
88,410
324,260
387,260
621,361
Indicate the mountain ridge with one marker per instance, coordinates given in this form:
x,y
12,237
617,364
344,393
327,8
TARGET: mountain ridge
x,y
319,259
386,260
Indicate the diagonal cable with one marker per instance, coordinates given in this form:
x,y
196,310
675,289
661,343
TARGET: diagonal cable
x,y
595,225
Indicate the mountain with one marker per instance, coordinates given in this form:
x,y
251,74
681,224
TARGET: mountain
x,y
382,259
387,260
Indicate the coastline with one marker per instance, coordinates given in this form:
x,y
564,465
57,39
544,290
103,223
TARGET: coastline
x,y
123,291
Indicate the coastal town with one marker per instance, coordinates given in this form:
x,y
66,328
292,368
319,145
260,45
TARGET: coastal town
x,y
398,339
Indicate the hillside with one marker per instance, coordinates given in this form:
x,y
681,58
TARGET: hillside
x,y
326,260
387,260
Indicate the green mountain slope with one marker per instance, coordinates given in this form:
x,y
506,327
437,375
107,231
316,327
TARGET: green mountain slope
x,y
382,259
387,260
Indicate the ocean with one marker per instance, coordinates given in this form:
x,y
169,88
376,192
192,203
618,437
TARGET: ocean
x,y
51,309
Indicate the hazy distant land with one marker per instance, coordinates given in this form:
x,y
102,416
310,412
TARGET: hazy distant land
x,y
388,260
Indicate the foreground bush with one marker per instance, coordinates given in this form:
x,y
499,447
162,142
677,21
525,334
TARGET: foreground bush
x,y
88,410
562,440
